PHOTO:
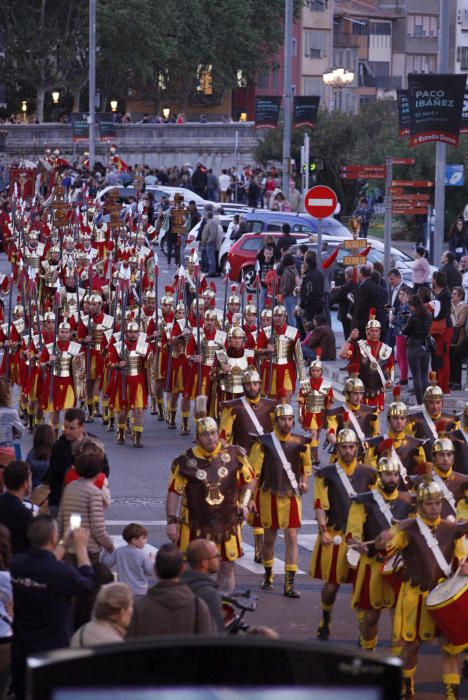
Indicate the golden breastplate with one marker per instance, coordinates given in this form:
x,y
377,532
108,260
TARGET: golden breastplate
x,y
135,363
62,364
34,260
98,336
232,382
282,343
315,400
208,352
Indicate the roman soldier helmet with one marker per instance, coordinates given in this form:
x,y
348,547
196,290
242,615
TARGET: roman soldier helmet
x,y
236,332
280,310
95,299
150,295
65,326
250,375
397,408
133,326
234,298
346,436
206,425
284,409
210,315
168,297
209,292
317,363
192,257
180,306
352,384
49,316
18,310
433,391
442,445
388,464
54,250
372,322
250,308
68,239
266,313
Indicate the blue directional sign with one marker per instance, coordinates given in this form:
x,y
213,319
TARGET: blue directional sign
x,y
454,176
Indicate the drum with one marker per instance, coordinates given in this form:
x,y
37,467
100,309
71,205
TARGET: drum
x,y
448,605
392,569
352,557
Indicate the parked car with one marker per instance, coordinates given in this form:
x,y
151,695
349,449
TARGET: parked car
x,y
243,254
399,259
264,220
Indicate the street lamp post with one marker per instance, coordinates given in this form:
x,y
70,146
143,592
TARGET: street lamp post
x,y
337,79
24,109
113,105
55,100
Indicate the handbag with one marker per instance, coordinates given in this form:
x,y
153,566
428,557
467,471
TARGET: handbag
x,y
438,326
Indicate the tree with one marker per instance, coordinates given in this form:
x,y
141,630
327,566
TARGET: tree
x,y
42,41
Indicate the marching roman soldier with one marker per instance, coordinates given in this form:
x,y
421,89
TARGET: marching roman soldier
x,y
128,389
159,329
315,398
363,419
177,335
376,364
430,547
396,443
282,464
371,513
284,344
211,340
11,338
215,483
50,276
250,324
92,332
241,420
423,421
233,307
232,363
334,487
64,381
452,485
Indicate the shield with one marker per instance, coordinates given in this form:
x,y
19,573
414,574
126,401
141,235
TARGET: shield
x,y
79,376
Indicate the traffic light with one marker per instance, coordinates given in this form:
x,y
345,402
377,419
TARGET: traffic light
x,y
316,164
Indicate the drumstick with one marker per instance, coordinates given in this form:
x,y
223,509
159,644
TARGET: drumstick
x,y
457,572
353,545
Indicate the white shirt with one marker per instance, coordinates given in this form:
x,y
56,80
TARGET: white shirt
x,y
224,182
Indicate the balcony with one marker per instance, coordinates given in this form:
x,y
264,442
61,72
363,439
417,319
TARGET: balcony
x,y
343,40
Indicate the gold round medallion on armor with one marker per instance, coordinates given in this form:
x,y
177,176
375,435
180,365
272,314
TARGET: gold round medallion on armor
x,y
192,463
222,472
201,474
225,457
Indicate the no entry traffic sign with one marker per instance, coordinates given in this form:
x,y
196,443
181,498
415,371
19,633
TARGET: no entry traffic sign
x,y
320,201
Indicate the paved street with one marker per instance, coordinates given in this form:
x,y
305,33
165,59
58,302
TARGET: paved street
x,y
138,486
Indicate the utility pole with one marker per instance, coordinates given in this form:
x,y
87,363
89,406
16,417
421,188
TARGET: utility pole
x,y
439,198
287,94
92,82
388,215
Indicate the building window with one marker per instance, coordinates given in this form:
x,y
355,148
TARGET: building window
x,y
294,47
317,5
462,56
423,26
464,22
313,86
360,27
380,28
315,43
275,78
379,69
421,63
263,77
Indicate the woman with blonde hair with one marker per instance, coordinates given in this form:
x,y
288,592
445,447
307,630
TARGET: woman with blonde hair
x,y
10,426
112,613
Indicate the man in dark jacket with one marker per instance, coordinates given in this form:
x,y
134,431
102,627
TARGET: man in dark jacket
x,y
203,560
43,590
200,180
170,607
322,336
311,295
449,267
61,457
285,241
367,298
341,296
13,513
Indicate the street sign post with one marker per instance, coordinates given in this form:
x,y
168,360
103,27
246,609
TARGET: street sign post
x,y
355,260
320,201
355,243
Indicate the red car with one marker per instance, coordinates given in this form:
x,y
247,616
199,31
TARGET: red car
x,y
243,255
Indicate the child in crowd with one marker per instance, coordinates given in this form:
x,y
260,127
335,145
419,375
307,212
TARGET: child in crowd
x,y
133,562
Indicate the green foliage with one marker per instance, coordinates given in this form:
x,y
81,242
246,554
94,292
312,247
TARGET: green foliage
x,y
366,138
153,48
